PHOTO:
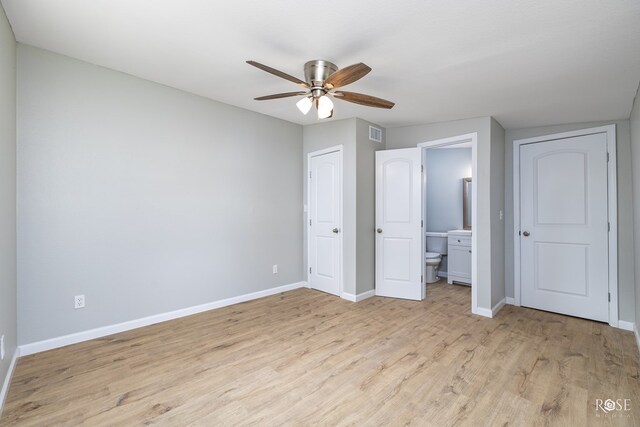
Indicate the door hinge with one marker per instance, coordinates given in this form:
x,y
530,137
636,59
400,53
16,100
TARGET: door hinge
x,y
309,222
309,174
309,270
609,296
421,168
421,223
607,156
609,226
421,279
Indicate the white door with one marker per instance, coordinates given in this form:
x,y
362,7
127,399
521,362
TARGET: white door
x,y
399,254
564,226
324,222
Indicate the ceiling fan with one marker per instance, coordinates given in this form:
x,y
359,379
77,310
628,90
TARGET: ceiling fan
x,y
322,80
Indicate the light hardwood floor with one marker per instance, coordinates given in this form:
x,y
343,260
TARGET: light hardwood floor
x,y
307,358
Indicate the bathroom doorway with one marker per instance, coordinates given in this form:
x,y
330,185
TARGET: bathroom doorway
x,y
449,213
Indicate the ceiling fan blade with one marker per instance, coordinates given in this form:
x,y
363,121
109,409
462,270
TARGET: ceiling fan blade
x,y
279,95
278,73
347,75
358,98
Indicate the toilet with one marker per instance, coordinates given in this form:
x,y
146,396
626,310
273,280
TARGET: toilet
x,y
436,247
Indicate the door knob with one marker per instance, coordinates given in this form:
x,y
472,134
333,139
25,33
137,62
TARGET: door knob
x,y
379,230
335,230
525,233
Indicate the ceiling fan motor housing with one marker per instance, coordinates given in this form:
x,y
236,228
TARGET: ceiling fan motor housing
x,y
316,72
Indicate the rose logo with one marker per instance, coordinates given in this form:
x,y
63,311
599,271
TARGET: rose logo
x,y
609,405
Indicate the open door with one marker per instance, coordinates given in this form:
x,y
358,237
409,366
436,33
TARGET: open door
x,y
399,254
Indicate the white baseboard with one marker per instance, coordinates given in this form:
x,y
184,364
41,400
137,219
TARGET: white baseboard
x,y
442,274
490,313
7,379
103,331
358,297
627,326
635,331
510,300
483,312
349,297
496,308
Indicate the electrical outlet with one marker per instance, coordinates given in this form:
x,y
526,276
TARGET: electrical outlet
x,y
78,301
275,268
2,347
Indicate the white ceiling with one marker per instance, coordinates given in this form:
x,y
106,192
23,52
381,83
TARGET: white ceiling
x,y
526,62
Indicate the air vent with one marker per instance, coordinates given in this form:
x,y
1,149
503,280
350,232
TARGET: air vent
x,y
375,134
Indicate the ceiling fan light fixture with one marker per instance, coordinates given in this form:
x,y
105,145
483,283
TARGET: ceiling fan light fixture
x,y
304,105
322,78
325,107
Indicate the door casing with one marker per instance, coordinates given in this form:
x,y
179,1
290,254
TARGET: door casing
x,y
473,139
612,209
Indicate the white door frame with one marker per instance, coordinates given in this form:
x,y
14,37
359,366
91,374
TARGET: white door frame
x,y
340,150
612,209
473,138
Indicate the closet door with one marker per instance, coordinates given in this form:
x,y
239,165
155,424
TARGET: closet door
x,y
564,226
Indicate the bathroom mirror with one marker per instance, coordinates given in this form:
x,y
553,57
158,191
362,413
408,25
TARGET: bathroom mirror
x,y
466,203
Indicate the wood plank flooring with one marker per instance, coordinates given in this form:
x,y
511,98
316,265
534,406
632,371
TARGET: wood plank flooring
x,y
307,358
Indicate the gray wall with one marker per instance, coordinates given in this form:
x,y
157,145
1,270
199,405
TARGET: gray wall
x,y
410,136
324,135
144,198
635,162
7,193
625,207
358,196
497,205
365,201
445,169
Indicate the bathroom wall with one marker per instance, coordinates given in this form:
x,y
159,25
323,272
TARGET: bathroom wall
x,y
445,169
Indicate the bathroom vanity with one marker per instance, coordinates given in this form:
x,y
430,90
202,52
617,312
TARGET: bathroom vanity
x,y
459,249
